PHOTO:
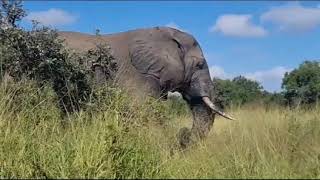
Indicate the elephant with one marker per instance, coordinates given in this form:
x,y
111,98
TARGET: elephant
x,y
159,60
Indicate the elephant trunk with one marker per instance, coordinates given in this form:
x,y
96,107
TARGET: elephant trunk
x,y
203,115
203,119
199,97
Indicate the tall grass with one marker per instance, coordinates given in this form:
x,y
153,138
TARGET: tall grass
x,y
117,138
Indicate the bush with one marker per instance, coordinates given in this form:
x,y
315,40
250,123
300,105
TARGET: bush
x,y
40,55
238,91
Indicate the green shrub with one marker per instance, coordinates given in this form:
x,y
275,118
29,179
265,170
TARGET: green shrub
x,y
40,55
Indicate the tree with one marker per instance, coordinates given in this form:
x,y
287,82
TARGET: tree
x,y
223,92
10,13
237,91
40,55
246,90
302,85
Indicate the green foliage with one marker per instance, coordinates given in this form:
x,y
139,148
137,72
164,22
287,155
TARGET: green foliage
x,y
302,85
40,55
237,91
102,60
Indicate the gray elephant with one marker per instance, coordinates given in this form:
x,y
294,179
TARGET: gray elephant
x,y
156,61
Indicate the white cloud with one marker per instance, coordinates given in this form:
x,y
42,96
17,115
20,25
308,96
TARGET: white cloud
x,y
238,26
270,79
293,17
175,26
218,72
53,17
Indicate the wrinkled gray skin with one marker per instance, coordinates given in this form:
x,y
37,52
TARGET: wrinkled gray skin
x,y
157,60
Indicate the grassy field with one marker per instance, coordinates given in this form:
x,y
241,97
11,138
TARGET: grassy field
x,y
117,139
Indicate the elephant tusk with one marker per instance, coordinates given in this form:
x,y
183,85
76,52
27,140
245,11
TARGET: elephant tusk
x,y
208,102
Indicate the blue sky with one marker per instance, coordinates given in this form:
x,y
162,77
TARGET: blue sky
x,y
260,40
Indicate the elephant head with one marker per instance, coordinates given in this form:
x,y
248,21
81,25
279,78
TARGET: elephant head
x,y
197,88
172,60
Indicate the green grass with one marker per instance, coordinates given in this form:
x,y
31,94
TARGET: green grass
x,y
115,138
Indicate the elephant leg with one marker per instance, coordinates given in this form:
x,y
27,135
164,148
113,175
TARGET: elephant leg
x,y
152,86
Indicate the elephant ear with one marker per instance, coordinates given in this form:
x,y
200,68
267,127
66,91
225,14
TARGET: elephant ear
x,y
158,58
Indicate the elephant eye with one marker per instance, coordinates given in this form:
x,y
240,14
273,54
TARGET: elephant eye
x,y
200,65
195,43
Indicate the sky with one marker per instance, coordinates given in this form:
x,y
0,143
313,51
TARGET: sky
x,y
260,40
